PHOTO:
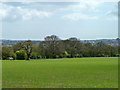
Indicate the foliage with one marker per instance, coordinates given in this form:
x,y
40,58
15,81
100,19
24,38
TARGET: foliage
x,y
33,55
7,52
26,46
14,56
21,55
54,47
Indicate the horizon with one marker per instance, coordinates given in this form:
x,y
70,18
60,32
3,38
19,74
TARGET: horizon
x,y
60,39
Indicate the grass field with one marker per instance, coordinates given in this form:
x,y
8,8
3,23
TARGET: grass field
x,y
61,73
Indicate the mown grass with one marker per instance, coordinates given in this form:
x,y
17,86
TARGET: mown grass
x,y
97,72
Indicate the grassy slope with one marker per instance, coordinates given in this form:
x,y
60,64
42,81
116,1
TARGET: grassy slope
x,y
61,73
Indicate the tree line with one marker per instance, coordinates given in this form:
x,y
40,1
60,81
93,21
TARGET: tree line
x,y
54,47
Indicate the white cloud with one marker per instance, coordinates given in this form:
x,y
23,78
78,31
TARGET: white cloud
x,y
32,13
108,12
111,15
37,10
11,13
83,5
4,10
78,16
111,12
78,10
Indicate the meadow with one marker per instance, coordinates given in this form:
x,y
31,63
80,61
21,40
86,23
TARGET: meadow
x,y
98,72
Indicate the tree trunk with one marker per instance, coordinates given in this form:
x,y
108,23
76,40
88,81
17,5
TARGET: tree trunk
x,y
28,56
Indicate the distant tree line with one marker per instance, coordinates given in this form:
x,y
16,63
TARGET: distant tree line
x,y
54,47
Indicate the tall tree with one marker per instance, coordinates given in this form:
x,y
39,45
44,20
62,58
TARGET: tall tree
x,y
18,46
28,46
72,46
7,52
54,45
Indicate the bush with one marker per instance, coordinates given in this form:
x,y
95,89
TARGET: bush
x,y
33,55
21,55
14,56
65,54
78,55
7,52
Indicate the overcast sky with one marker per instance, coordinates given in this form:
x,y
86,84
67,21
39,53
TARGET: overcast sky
x,y
84,20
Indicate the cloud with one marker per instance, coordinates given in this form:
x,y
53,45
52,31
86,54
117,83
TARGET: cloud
x,y
28,11
28,14
83,10
115,13
83,5
111,15
78,16
12,13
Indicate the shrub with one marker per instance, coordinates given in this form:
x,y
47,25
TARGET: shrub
x,y
14,56
33,55
7,52
21,55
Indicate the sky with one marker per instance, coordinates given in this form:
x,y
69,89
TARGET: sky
x,y
36,20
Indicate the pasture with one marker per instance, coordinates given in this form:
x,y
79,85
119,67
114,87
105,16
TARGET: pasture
x,y
98,72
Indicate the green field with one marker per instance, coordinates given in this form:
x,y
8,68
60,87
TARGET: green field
x,y
61,73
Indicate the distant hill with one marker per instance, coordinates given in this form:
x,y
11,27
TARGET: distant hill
x,y
113,42
12,42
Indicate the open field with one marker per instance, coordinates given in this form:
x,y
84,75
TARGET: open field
x,y
99,72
